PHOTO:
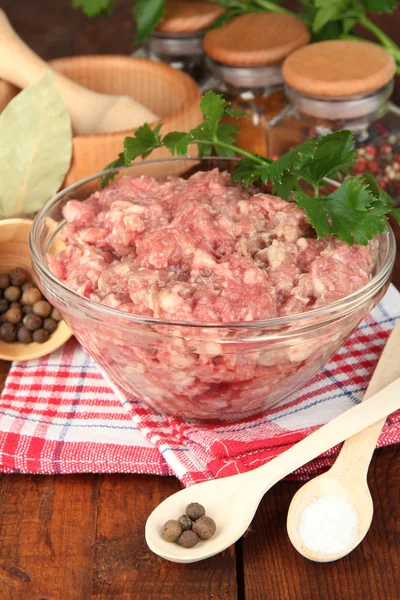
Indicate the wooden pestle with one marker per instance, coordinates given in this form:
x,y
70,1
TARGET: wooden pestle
x,y
90,112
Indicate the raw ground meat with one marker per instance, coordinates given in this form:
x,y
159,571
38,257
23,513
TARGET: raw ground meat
x,y
206,251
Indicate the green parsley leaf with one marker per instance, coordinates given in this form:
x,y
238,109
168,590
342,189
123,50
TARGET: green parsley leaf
x,y
148,13
380,6
333,152
91,8
213,107
177,142
351,213
142,143
329,10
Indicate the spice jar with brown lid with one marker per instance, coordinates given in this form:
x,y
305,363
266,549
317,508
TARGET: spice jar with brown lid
x,y
178,38
342,84
245,58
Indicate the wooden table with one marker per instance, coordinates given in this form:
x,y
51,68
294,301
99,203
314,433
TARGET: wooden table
x,y
81,537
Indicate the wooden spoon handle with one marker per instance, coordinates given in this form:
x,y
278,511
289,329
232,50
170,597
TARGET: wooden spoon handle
x,y
356,453
339,429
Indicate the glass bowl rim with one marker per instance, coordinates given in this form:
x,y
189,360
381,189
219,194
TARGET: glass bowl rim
x,y
338,307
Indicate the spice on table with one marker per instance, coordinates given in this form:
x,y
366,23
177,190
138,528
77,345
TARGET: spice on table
x,y
31,296
190,528
171,530
50,325
204,527
12,293
42,308
14,315
40,336
19,277
8,332
24,335
32,322
56,315
195,511
188,539
328,525
185,522
25,316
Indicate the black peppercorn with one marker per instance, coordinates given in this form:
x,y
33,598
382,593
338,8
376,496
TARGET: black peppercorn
x,y
32,322
204,527
40,336
8,332
185,522
171,530
14,315
12,293
19,276
4,281
188,539
195,510
24,335
3,305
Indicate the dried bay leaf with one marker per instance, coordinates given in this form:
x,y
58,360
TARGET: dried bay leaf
x,y
35,148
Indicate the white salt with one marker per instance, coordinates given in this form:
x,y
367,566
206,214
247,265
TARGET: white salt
x,y
328,525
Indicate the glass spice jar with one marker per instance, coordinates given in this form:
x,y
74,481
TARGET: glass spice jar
x,y
245,57
342,84
178,38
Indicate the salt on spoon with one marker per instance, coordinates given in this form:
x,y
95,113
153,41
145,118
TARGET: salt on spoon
x,y
233,501
331,514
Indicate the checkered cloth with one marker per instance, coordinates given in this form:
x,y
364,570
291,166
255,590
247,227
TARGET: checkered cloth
x,y
59,414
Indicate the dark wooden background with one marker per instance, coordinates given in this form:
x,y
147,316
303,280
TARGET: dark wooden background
x,y
81,537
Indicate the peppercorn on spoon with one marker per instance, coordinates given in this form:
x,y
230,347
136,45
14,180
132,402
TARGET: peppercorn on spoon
x,y
233,501
347,478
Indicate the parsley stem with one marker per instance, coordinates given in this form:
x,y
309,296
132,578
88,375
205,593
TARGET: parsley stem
x,y
272,7
382,37
249,155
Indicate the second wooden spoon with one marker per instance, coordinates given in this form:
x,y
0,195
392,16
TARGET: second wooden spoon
x,y
347,478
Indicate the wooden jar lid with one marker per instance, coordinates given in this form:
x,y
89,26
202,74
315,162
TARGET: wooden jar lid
x,y
338,68
188,17
256,39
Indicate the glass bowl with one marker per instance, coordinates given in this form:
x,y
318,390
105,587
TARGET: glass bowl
x,y
205,372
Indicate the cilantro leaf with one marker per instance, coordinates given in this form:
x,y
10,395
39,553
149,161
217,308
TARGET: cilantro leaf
x,y
213,107
333,152
177,142
91,8
142,143
352,212
329,10
380,6
148,13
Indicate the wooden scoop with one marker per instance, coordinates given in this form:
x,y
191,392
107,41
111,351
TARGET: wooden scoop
x,y
90,111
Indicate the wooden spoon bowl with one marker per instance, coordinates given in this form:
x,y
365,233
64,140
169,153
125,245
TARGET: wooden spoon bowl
x,y
14,252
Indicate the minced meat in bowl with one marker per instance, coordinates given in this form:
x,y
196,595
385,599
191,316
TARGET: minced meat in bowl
x,y
204,299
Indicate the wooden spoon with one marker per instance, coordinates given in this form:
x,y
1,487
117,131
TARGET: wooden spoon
x,y
90,111
233,501
347,478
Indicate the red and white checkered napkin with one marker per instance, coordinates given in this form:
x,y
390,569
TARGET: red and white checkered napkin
x,y
60,415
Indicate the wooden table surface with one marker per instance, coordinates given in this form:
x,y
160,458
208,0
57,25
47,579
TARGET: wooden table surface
x,y
81,537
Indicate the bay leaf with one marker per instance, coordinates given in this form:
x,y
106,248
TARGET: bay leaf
x,y
35,148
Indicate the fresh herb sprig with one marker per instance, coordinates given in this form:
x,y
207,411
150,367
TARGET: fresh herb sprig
x,y
327,19
354,212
